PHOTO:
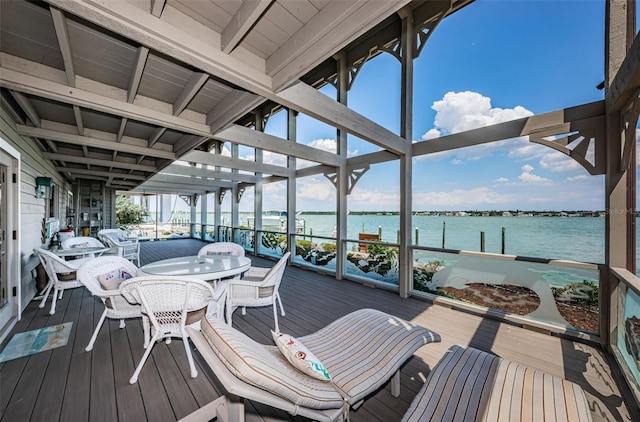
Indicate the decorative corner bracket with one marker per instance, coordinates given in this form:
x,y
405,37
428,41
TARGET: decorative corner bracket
x,y
580,134
354,175
424,31
186,199
221,193
628,125
240,191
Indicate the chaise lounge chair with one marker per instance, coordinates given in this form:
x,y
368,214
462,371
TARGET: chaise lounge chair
x,y
472,385
362,351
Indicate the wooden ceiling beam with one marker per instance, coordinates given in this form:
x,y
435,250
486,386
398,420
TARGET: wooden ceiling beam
x,y
508,130
305,99
201,157
332,29
195,82
99,162
186,182
266,142
86,172
26,106
32,114
138,70
93,142
232,107
241,23
62,34
157,6
196,50
207,173
20,81
77,113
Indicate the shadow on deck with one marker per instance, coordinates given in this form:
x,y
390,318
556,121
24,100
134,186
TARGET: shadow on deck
x,y
69,384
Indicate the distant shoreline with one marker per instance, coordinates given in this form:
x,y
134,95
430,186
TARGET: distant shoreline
x,y
506,213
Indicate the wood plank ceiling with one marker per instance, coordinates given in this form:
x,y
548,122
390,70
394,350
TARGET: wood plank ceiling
x,y
119,90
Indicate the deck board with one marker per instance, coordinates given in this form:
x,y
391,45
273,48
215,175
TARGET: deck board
x,y
71,384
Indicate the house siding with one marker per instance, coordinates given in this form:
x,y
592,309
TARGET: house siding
x,y
32,209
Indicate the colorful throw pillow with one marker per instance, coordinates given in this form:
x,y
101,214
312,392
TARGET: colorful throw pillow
x,y
300,357
113,279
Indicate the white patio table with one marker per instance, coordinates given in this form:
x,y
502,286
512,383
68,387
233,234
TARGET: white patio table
x,y
207,268
88,252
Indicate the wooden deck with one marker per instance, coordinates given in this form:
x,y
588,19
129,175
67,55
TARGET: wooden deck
x,y
69,384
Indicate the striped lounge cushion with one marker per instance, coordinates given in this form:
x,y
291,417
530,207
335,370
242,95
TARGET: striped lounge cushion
x,y
266,368
365,348
472,385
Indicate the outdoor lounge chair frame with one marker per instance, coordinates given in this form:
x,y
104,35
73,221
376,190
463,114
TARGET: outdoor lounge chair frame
x,y
253,377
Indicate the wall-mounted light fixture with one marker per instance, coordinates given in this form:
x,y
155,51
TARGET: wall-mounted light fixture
x,y
43,187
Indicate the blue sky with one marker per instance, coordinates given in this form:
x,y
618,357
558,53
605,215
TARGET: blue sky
x,y
490,62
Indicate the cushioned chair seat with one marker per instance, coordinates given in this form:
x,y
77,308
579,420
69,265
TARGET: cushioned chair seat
x,y
363,349
472,385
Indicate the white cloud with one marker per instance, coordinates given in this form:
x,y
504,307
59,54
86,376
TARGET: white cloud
x,y
528,177
579,177
532,178
366,199
269,157
456,161
559,162
316,188
329,145
459,198
462,111
431,133
502,180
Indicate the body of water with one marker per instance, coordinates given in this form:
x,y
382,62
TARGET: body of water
x,y
572,238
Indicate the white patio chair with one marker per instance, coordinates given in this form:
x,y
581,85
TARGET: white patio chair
x,y
115,305
220,286
170,303
62,275
126,248
82,241
258,287
227,248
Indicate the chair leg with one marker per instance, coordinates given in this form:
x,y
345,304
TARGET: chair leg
x,y
146,328
45,295
275,315
134,377
280,301
220,309
229,315
122,324
96,331
192,366
53,301
60,294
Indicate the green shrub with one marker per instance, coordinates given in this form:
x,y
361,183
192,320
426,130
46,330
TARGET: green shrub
x,y
329,247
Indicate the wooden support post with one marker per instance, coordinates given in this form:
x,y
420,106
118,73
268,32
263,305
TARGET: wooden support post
x,y
444,230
